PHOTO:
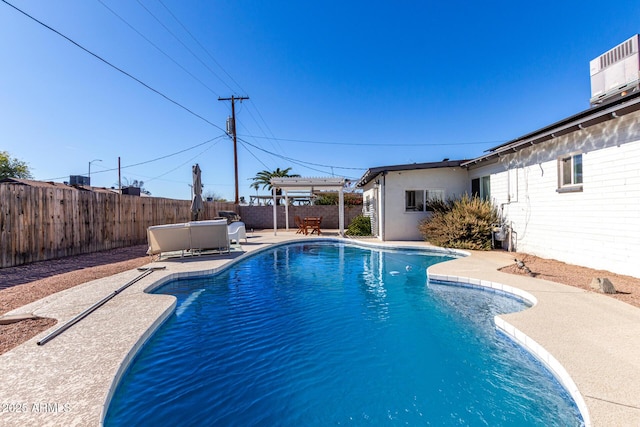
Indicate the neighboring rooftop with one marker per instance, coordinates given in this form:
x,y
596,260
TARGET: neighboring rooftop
x,y
373,172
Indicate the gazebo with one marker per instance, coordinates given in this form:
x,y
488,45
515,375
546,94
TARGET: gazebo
x,y
295,186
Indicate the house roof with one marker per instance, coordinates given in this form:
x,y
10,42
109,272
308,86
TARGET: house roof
x,y
51,184
373,172
32,183
582,120
592,116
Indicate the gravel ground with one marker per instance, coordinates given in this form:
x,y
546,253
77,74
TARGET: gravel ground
x,y
25,284
627,287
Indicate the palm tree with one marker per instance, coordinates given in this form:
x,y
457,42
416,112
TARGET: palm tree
x,y
263,178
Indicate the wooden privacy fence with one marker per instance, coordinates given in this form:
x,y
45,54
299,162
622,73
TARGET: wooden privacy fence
x,y
41,223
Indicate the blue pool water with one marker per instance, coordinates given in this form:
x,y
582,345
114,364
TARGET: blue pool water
x,y
331,334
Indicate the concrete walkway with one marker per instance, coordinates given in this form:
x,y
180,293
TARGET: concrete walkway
x,y
69,380
595,338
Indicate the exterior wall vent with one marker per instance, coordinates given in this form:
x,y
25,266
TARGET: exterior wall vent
x,y
616,72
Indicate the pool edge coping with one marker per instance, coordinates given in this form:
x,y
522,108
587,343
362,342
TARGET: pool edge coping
x,y
150,288
527,343
487,271
520,338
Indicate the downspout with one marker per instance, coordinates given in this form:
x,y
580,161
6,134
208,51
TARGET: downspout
x,y
507,203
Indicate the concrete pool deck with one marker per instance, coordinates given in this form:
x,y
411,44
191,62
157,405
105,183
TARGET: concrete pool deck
x,y
69,380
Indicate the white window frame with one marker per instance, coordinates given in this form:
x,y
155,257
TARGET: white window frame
x,y
484,186
413,207
570,180
433,193
426,195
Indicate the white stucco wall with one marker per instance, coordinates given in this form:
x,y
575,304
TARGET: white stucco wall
x,y
370,194
401,225
598,227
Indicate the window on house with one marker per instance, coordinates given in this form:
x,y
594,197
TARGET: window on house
x,y
481,187
414,200
570,172
485,187
432,195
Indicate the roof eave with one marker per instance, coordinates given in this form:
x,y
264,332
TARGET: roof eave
x,y
371,173
574,123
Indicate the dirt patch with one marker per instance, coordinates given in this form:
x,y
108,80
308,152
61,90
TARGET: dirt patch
x,y
628,287
28,283
15,334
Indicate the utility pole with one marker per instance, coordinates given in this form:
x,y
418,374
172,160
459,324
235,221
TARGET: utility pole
x,y
233,100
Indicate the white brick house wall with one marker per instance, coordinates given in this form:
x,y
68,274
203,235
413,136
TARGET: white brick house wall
x,y
598,227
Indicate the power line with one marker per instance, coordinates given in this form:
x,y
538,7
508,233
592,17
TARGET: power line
x,y
182,164
203,48
285,158
184,45
367,144
149,161
113,66
158,48
271,139
233,131
195,39
299,161
254,156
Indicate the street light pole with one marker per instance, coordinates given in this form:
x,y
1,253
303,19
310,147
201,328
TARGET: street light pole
x,y
94,160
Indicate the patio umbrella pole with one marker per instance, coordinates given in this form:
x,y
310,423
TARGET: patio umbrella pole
x,y
145,272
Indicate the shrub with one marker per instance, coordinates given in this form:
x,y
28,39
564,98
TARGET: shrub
x,y
439,205
333,199
466,224
360,226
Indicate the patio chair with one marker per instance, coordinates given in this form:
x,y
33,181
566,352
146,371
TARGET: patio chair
x,y
237,231
302,227
314,224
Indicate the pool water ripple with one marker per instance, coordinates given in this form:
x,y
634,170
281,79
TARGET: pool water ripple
x,y
324,334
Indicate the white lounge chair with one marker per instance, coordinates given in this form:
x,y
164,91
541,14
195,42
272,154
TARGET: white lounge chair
x,y
212,234
191,236
168,238
237,231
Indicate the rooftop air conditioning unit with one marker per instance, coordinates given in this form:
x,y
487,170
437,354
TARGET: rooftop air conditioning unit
x,y
79,180
616,72
132,191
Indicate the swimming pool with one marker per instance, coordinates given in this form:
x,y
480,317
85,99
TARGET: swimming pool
x,y
334,334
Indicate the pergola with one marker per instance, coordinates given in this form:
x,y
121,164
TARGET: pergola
x,y
295,186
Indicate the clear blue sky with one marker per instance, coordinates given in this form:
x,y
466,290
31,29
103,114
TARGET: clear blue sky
x,y
335,87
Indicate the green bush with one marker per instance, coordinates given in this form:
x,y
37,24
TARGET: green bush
x,y
360,226
465,224
333,199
